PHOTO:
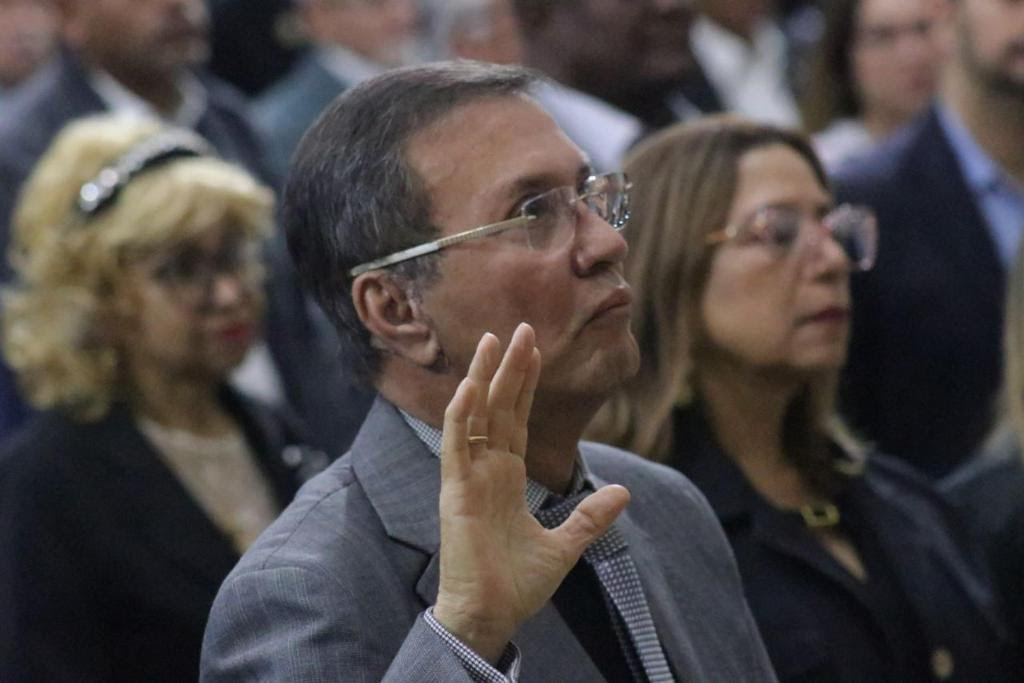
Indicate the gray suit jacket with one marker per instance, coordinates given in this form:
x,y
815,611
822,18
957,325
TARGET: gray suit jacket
x,y
334,590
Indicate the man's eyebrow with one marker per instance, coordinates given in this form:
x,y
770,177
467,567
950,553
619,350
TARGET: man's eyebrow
x,y
542,182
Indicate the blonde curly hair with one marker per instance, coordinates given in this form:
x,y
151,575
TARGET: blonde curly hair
x,y
68,264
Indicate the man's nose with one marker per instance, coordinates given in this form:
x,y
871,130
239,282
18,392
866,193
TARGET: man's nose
x,y
597,243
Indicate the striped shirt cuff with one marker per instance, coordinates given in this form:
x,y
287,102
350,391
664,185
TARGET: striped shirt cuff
x,y
478,668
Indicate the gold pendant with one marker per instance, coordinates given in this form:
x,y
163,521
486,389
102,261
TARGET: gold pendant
x,y
820,516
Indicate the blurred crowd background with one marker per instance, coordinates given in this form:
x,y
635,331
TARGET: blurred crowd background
x,y
915,107
252,76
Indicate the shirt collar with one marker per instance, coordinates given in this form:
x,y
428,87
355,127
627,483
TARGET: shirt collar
x,y
982,173
120,99
536,494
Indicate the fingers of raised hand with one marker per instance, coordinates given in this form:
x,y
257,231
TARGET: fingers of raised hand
x,y
455,458
481,373
506,392
592,517
466,413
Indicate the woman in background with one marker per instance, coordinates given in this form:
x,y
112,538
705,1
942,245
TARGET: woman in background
x,y
740,265
877,66
125,504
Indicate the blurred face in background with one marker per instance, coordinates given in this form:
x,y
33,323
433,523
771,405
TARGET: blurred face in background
x,y
896,55
193,308
618,47
382,31
138,37
771,308
990,42
27,33
491,35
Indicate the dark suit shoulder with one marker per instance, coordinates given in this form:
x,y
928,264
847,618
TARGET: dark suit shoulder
x,y
222,94
874,176
307,86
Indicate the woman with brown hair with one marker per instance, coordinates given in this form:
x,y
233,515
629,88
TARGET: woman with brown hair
x,y
740,265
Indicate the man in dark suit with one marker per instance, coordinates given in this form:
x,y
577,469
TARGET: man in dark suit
x,y
351,42
621,69
924,360
143,56
432,211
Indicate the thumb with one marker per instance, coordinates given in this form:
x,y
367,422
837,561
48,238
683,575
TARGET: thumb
x,y
592,517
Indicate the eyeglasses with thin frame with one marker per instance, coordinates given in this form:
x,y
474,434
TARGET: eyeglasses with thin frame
x,y
189,274
545,221
854,228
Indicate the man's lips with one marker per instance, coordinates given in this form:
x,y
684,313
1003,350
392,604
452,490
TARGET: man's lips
x,y
618,301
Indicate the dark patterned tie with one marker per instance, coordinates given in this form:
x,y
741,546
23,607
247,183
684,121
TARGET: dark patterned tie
x,y
609,556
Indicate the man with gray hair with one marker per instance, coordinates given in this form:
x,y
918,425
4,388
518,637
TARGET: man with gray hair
x,y
470,257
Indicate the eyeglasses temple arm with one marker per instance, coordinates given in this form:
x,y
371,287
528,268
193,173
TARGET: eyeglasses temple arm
x,y
436,245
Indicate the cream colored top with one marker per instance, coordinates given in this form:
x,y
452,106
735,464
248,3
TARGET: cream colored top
x,y
222,476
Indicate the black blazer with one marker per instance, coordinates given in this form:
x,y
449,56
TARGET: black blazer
x,y
924,360
108,568
927,609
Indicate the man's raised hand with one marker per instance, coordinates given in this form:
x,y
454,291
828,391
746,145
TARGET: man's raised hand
x,y
499,566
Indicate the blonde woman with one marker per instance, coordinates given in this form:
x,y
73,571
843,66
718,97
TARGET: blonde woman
x,y
740,265
127,501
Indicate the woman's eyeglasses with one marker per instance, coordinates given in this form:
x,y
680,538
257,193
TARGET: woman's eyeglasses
x,y
854,229
189,273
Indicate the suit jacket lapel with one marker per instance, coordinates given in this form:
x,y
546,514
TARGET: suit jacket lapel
x,y
171,522
402,480
955,223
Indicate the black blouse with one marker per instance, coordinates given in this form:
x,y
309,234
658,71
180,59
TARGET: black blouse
x,y
921,615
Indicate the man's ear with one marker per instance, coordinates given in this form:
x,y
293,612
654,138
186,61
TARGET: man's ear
x,y
395,318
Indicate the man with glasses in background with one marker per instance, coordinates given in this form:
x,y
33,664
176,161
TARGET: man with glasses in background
x,y
470,258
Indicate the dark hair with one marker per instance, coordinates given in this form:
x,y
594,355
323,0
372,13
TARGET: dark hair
x,y
832,92
352,197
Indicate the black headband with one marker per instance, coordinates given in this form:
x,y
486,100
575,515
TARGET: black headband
x,y
101,191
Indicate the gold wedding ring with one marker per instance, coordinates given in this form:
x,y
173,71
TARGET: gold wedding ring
x,y
478,439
